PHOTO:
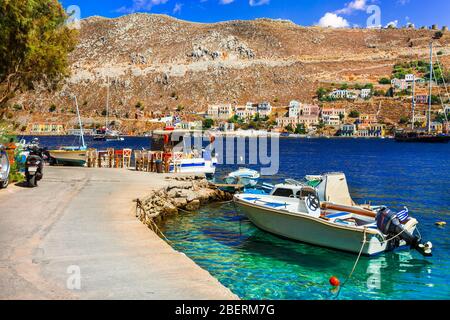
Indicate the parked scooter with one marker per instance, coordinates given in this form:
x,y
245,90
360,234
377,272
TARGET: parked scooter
x,y
34,167
4,168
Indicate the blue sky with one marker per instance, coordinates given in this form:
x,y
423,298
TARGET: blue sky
x,y
336,13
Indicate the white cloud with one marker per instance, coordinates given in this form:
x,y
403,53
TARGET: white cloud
x,y
141,5
177,8
355,5
333,20
255,3
226,1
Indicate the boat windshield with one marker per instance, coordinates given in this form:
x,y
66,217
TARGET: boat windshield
x,y
283,192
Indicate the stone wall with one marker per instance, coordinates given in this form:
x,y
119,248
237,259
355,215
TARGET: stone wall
x,y
183,194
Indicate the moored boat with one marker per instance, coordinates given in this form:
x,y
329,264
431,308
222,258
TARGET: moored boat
x,y
173,148
244,176
308,220
71,155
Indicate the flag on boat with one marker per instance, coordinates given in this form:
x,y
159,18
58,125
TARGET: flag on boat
x,y
403,216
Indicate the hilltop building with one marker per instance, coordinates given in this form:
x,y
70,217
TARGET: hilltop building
x,y
220,112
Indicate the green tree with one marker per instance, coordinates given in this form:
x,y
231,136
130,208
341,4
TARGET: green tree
x,y
344,86
404,120
321,93
289,128
354,114
208,123
300,129
34,46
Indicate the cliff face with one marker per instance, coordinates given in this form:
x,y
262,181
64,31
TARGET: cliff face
x,y
163,62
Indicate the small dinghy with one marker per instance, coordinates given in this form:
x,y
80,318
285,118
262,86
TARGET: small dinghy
x,y
244,176
343,227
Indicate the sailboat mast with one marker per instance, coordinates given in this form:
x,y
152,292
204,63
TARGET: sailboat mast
x,y
414,102
431,87
79,122
107,103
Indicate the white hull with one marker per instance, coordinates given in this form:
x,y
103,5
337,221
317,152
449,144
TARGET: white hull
x,y
78,157
194,166
304,228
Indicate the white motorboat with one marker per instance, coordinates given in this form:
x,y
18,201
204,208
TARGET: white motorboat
x,y
244,176
173,145
331,187
302,217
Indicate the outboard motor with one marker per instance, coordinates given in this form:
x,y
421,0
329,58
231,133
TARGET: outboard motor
x,y
388,222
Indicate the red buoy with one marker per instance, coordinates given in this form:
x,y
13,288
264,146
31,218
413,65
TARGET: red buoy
x,y
334,281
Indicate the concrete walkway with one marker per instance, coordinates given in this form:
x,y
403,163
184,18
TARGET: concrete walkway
x,y
81,219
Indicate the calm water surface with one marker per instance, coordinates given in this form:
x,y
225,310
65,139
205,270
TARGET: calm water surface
x,y
257,265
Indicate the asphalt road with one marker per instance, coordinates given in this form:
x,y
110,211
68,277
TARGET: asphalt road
x,y
76,237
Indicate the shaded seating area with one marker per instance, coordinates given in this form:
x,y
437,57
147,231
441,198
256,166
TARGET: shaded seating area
x,y
141,160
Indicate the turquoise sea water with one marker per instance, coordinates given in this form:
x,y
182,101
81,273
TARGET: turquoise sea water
x,y
257,265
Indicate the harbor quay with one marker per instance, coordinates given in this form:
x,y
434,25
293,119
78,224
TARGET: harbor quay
x,y
77,237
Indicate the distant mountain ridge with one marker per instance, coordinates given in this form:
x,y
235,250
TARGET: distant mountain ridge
x,y
163,62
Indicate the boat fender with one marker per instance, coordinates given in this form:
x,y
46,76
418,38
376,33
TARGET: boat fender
x,y
389,224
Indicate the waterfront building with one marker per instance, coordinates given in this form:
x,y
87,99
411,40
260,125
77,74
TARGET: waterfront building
x,y
247,112
226,127
331,120
297,109
371,130
340,112
437,127
367,119
308,120
77,132
47,128
264,109
220,111
348,130
191,125
294,109
283,122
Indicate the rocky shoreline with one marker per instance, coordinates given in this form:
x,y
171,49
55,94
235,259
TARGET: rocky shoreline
x,y
182,194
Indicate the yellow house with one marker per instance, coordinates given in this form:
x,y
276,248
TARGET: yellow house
x,y
47,128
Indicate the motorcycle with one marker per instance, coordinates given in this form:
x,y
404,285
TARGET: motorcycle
x,y
34,167
4,168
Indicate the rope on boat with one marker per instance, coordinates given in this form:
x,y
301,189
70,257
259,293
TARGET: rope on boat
x,y
356,263
394,237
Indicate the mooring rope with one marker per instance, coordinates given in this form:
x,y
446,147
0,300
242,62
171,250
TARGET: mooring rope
x,y
355,265
152,221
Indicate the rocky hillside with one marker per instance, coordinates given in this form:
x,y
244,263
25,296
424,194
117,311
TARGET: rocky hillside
x,y
164,63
